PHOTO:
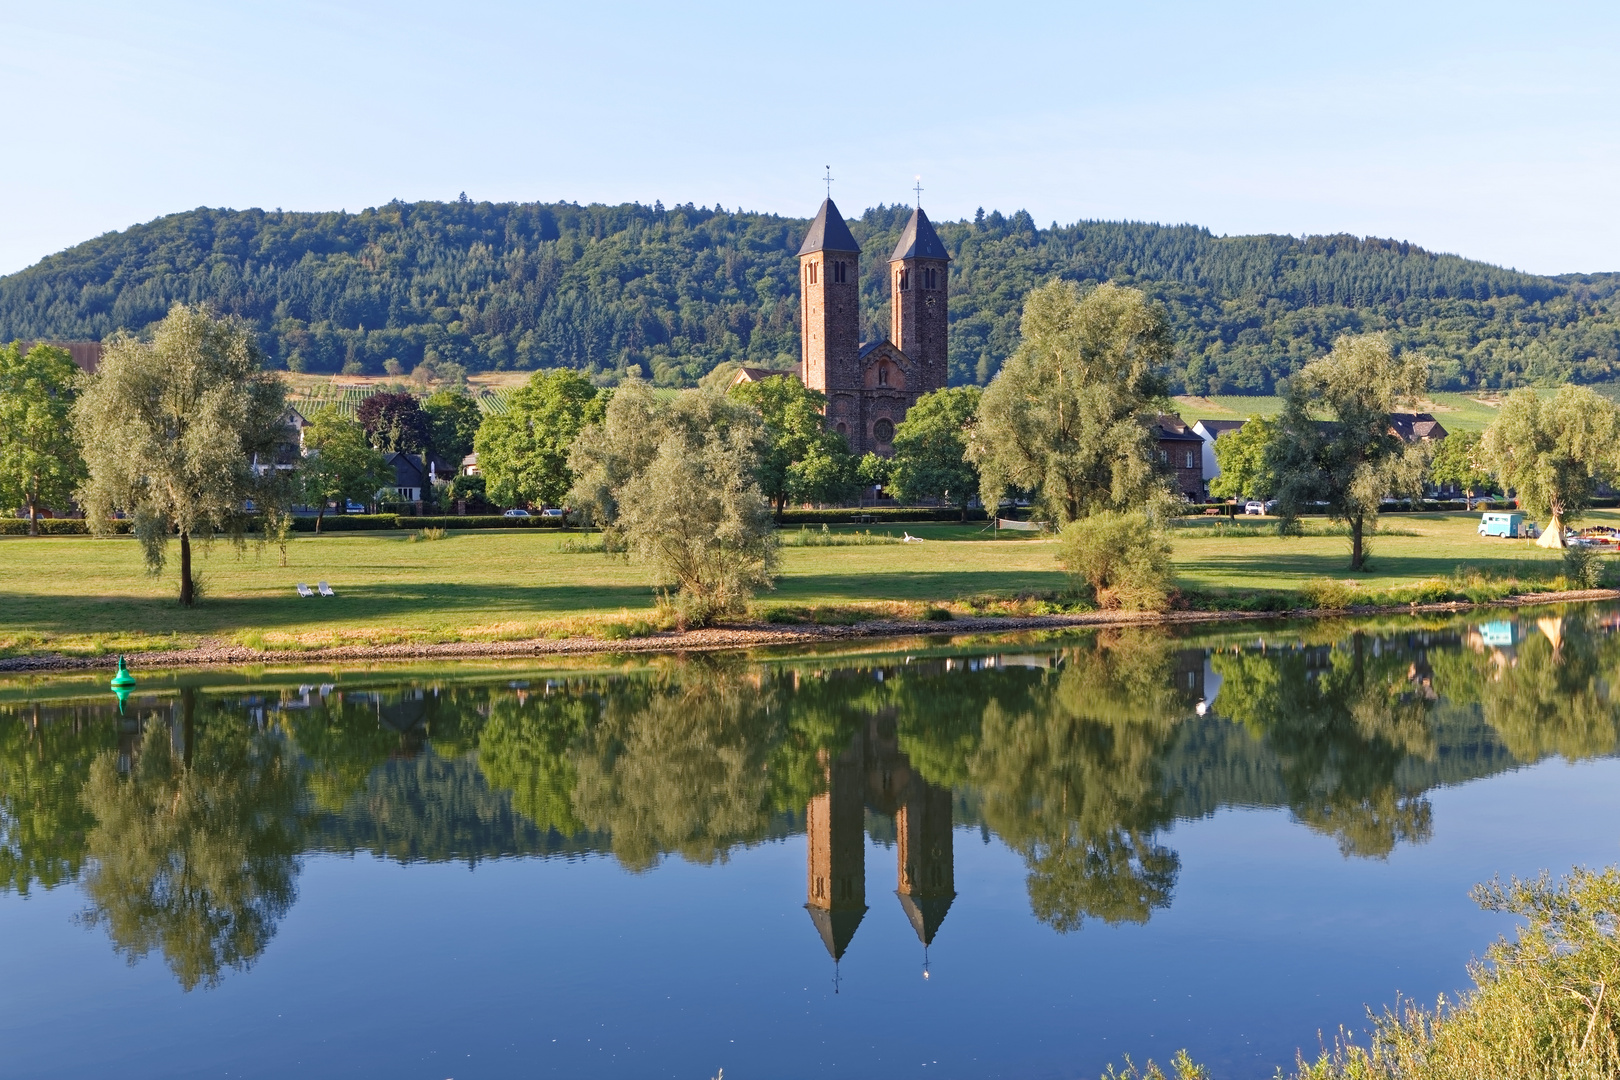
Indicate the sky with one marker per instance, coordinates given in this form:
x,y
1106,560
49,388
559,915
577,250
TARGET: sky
x,y
1489,130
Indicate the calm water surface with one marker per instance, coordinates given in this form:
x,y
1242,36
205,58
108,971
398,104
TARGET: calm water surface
x,y
967,859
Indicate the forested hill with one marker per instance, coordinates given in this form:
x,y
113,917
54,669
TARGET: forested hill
x,y
679,290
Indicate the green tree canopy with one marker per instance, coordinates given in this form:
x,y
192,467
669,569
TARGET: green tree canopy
x,y
40,464
1241,456
1551,453
931,446
802,460
1460,461
340,464
453,419
676,482
1063,418
171,429
523,453
1355,459
395,421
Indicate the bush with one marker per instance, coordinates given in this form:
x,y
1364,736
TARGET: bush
x,y
347,522
486,521
1122,558
56,527
1584,568
878,515
1327,594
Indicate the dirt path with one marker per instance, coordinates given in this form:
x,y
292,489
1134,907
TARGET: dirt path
x,y
732,637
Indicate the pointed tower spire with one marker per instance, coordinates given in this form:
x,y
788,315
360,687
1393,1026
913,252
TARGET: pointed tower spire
x,y
919,273
829,316
828,232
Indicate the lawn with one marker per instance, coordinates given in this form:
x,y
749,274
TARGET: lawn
x,y
1458,412
82,594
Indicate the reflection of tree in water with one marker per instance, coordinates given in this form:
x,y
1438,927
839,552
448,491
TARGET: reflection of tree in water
x,y
1068,776
524,747
1340,719
194,850
45,756
1550,693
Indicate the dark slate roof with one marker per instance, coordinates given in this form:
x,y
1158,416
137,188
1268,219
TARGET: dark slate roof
x,y
869,347
828,232
836,928
1414,427
1217,428
1168,427
925,913
919,241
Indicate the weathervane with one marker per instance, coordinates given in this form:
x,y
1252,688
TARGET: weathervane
x,y
829,179
919,191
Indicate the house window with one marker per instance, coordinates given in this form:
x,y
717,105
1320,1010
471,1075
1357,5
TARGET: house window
x,y
1164,456
883,374
1190,458
812,273
883,431
904,280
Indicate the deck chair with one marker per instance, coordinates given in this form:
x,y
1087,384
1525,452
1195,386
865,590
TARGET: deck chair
x,y
305,590
909,539
326,590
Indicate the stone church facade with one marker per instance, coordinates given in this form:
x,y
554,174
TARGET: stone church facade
x,y
871,385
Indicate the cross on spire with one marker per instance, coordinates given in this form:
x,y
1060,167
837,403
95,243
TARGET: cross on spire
x,y
919,190
829,179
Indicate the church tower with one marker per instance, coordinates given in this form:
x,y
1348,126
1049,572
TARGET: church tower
x,y
919,272
835,831
830,320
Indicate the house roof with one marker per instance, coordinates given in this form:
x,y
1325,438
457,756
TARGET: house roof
x,y
919,241
1169,427
753,374
1217,428
829,233
1415,427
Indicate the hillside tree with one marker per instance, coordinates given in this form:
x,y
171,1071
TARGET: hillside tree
x,y
340,464
171,430
1241,457
930,449
40,465
523,453
1460,461
453,420
803,460
1062,419
1335,444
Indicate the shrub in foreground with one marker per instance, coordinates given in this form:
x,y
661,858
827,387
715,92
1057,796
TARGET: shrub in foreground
x,y
1122,558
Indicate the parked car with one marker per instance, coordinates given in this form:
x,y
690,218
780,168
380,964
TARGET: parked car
x,y
1254,506
352,507
517,514
551,512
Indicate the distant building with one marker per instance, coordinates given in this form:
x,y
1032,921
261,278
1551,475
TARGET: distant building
x,y
411,475
1209,431
751,374
1417,427
469,465
1181,453
86,354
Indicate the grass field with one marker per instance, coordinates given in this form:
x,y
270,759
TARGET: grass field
x,y
1458,412
80,594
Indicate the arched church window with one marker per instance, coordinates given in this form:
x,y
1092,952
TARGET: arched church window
x,y
839,271
883,430
905,280
812,273
842,428
930,278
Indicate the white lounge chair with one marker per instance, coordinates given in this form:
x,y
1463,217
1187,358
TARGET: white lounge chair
x,y
305,590
326,590
909,539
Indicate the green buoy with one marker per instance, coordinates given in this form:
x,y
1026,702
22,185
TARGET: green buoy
x,y
122,684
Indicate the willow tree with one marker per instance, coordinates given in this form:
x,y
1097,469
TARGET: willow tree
x,y
172,430
1062,419
1334,443
1551,452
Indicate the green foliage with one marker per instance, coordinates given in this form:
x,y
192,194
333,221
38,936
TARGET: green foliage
x,y
170,431
453,419
523,453
1122,558
43,823
395,421
675,482
1460,462
1552,453
1354,460
340,465
1062,418
1241,456
803,461
930,448
677,291
40,464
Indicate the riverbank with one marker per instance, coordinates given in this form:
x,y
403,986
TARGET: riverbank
x,y
746,636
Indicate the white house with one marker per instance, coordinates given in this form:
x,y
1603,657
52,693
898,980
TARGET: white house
x,y
1209,431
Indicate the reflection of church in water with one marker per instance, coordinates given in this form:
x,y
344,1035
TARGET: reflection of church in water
x,y
872,773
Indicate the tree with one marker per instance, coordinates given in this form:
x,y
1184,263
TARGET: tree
x,y
1353,461
1062,417
453,419
1552,452
523,454
1241,457
930,448
170,430
802,458
395,422
39,462
676,483
1459,461
340,465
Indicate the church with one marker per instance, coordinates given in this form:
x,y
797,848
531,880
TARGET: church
x,y
870,385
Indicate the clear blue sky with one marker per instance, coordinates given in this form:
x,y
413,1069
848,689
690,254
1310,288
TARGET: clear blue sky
x,y
1485,129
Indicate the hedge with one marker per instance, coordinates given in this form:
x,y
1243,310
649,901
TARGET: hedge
x,y
56,527
368,522
878,515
